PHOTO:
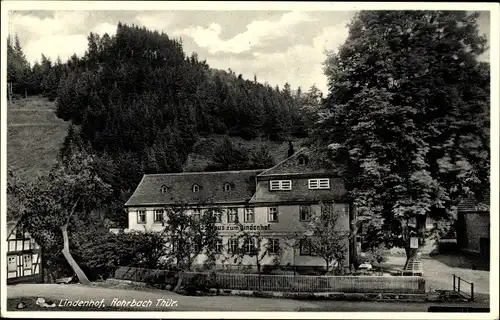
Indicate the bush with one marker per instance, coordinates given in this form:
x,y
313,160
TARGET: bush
x,y
447,246
375,256
269,268
100,252
200,283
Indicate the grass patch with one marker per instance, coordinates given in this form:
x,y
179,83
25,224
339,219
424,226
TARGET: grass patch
x,y
34,136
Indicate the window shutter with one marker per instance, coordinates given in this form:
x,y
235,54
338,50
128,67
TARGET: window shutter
x,y
319,183
286,185
313,184
280,185
274,185
324,183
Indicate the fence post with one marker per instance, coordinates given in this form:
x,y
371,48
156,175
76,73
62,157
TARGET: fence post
x,y
459,284
453,282
472,291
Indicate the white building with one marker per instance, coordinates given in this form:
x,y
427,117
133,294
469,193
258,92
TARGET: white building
x,y
24,257
274,202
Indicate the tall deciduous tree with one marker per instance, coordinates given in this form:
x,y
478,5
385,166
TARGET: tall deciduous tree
x,y
404,118
255,245
190,232
48,206
326,236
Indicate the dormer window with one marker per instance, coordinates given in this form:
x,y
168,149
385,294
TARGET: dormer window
x,y
164,189
227,186
196,188
302,160
284,185
322,183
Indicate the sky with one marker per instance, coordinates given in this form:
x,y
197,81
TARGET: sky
x,y
276,46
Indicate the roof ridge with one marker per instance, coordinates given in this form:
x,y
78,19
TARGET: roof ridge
x,y
200,172
283,161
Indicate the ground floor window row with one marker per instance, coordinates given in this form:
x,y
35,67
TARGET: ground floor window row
x,y
249,246
231,215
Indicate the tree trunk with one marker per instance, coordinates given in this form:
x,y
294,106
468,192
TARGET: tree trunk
x,y
179,283
67,254
421,227
412,253
259,273
327,266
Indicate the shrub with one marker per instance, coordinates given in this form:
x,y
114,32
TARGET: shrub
x,y
199,283
100,252
447,246
376,255
269,268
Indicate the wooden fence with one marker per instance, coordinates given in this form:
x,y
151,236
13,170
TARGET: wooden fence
x,y
288,283
291,283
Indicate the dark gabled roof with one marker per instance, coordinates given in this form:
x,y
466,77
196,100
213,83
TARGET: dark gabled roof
x,y
291,166
300,192
180,185
11,225
472,204
291,169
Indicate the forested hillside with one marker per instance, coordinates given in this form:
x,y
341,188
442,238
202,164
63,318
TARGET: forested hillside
x,y
141,105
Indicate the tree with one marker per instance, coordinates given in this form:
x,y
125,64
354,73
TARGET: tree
x,y
53,203
260,159
189,232
404,121
326,237
18,68
228,156
254,245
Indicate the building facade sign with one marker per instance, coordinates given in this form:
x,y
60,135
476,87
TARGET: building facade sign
x,y
251,227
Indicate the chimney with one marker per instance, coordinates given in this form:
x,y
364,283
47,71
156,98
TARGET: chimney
x,y
290,148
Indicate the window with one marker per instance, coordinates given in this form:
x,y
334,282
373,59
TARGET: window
x,y
158,216
232,215
220,246
319,184
272,214
302,160
249,215
283,185
196,188
249,246
164,189
27,261
233,245
196,215
227,187
141,216
305,247
218,217
12,265
273,246
305,213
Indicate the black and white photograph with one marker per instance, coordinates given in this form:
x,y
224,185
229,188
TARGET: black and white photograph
x,y
231,159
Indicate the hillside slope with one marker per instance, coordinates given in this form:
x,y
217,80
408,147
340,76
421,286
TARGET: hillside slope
x,y
35,136
204,148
